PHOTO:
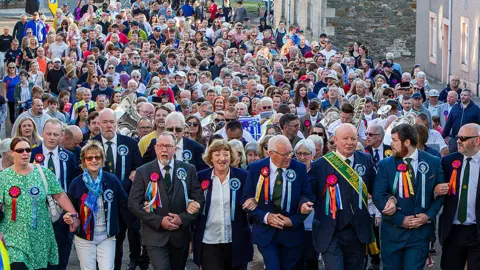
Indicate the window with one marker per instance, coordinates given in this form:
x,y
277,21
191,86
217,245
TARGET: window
x,y
465,40
433,38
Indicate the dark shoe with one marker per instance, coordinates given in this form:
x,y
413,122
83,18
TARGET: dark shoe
x,y
144,266
374,267
131,266
433,251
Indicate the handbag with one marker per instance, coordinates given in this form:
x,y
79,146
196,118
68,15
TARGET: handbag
x,y
55,210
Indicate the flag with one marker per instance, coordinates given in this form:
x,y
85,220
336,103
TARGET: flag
x,y
53,5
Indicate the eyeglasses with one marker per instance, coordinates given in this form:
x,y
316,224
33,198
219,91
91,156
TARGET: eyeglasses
x,y
219,120
260,91
193,124
167,146
283,60
267,107
294,126
90,158
145,128
29,33
284,155
21,150
321,134
192,74
11,67
305,154
230,120
110,68
372,134
176,130
466,138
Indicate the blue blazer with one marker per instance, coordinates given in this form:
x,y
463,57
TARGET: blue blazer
x,y
242,247
262,234
133,159
195,149
391,227
118,206
323,226
66,173
451,201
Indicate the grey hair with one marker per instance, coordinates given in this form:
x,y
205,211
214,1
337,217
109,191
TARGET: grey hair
x,y
266,99
166,133
362,148
272,143
237,80
316,139
378,129
176,116
308,144
136,72
421,74
407,75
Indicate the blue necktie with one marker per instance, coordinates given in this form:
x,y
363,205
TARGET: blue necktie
x,y
376,157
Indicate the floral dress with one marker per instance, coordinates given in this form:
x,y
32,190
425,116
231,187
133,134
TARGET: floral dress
x,y
29,240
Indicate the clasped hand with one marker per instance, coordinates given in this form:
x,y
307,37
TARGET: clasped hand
x,y
171,222
414,222
279,221
73,222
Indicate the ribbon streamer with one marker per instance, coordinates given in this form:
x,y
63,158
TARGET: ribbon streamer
x,y
259,188
234,186
205,192
423,190
289,198
34,193
266,189
360,187
185,192
108,196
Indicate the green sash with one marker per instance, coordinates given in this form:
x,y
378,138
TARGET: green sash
x,y
348,173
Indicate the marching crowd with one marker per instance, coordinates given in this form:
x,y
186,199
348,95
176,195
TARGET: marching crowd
x,y
195,134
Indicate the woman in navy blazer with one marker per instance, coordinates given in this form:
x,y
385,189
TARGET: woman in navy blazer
x,y
229,247
99,198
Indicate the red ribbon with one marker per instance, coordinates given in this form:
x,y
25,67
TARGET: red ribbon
x,y
14,193
84,214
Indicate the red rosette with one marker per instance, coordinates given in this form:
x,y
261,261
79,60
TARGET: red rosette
x,y
15,192
154,177
39,157
402,167
265,171
332,180
456,164
307,123
205,184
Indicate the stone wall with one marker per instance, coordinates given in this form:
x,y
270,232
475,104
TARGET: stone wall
x,y
8,4
383,26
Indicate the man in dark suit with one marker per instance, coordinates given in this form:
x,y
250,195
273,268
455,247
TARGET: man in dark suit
x,y
122,157
290,125
93,127
342,233
167,217
375,146
404,192
459,229
186,150
311,118
63,164
278,229
200,11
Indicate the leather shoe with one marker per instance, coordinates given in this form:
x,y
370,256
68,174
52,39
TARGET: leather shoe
x,y
131,266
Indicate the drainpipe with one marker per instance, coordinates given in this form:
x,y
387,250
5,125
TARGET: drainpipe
x,y
449,57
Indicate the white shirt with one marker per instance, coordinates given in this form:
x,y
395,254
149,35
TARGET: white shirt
x,y
55,157
351,158
414,162
328,54
114,148
273,176
380,152
218,229
163,171
246,135
472,189
313,119
434,137
179,150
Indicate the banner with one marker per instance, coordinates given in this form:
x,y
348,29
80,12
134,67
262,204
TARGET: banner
x,y
252,125
53,5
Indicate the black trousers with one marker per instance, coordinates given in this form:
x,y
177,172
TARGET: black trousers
x,y
11,112
168,257
138,254
309,259
64,239
345,251
218,257
462,247
375,258
22,266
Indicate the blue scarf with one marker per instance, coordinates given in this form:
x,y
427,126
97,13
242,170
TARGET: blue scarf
x,y
94,189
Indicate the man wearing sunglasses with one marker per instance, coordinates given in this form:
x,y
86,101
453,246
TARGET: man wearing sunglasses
x,y
63,164
186,150
375,146
122,157
231,115
462,113
458,225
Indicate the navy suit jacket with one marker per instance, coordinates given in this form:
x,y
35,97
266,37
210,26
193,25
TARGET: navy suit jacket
x,y
391,227
262,233
118,206
133,159
370,151
323,226
66,173
242,248
195,148
451,201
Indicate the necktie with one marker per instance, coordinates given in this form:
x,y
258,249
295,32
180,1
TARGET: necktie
x,y
349,162
167,180
110,164
51,166
462,206
277,190
410,170
376,157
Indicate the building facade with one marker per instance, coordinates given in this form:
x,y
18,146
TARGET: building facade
x,y
383,26
449,46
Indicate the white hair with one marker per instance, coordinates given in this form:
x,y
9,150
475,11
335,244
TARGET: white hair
x,y
175,116
421,74
272,143
132,81
316,139
266,100
136,72
307,144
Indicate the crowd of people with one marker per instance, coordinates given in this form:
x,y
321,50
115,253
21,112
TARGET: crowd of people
x,y
196,134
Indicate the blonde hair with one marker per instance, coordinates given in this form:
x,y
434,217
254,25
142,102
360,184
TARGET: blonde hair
x,y
219,145
237,146
36,138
